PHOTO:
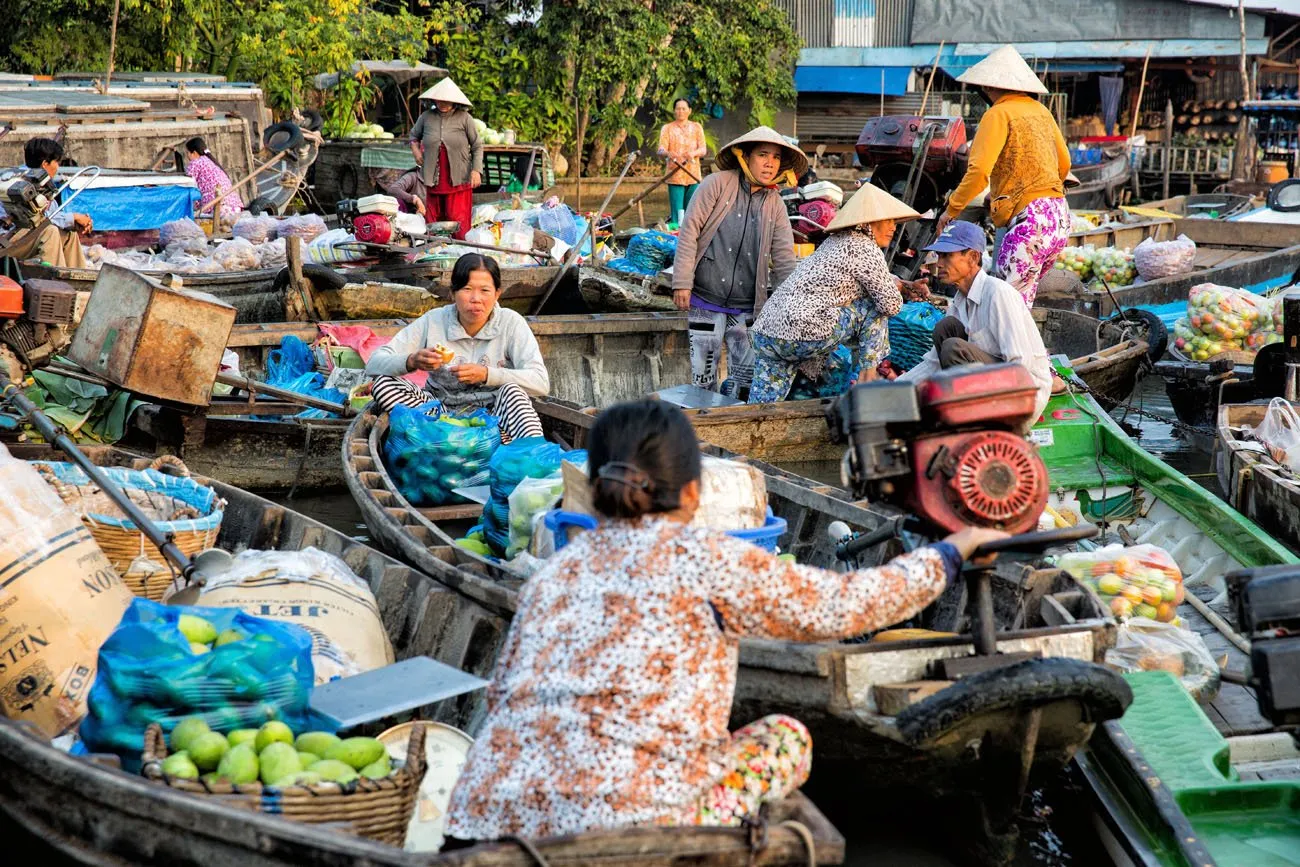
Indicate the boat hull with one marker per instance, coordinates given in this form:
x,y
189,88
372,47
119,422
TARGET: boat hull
x,y
829,686
251,293
1253,483
1244,255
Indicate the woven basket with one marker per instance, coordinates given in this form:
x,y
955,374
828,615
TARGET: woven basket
x,y
375,809
121,541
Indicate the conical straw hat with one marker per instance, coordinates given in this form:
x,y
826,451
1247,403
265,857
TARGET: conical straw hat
x,y
1004,69
447,91
869,204
794,158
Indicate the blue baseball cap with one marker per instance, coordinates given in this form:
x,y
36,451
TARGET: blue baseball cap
x,y
959,235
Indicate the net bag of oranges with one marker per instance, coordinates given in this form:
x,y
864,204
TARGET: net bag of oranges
x,y
1138,581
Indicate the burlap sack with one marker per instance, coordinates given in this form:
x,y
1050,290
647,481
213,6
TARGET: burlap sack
x,y
59,601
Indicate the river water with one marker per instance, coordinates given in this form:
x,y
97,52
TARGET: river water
x,y
1054,826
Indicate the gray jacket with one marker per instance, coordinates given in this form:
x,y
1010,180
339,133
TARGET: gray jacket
x,y
456,130
715,196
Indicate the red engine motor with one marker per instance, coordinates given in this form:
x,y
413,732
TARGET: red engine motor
x,y
373,228
948,450
888,145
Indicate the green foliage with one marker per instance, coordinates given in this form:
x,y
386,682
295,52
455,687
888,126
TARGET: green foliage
x,y
544,72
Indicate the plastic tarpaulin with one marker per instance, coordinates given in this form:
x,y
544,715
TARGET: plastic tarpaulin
x,y
123,209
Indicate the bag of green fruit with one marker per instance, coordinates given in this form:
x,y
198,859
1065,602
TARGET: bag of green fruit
x,y
429,456
164,663
1139,581
530,499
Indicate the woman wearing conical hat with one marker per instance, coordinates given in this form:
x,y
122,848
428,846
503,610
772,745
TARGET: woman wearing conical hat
x,y
735,244
1021,156
841,295
449,155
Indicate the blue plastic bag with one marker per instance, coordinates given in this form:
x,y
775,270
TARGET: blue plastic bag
x,y
429,456
911,333
147,673
293,367
527,458
290,361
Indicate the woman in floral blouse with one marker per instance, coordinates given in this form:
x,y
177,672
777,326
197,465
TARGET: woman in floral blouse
x,y
681,143
609,703
211,179
841,295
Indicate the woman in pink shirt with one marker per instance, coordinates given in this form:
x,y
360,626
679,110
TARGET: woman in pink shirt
x,y
211,178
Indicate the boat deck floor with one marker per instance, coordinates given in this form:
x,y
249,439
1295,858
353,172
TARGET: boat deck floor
x,y
1079,462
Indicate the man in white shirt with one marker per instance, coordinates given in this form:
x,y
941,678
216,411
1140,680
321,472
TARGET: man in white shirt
x,y
987,322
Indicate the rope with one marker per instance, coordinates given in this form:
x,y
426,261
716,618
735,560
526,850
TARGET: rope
x,y
529,848
804,834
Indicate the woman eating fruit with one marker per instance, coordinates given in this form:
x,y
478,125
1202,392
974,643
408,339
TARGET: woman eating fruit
x,y
472,344
609,703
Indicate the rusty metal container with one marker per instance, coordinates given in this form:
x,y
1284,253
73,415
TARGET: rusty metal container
x,y
152,339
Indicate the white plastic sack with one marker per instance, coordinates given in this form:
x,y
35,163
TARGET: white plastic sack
x,y
179,230
308,226
1148,645
256,229
530,499
323,252
1280,432
237,254
1155,259
314,590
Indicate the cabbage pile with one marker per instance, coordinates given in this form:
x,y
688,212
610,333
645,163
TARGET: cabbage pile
x,y
368,131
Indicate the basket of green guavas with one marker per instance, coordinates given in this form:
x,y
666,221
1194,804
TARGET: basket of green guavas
x,y
313,777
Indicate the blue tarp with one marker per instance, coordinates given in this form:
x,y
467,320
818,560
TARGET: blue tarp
x,y
852,79
123,209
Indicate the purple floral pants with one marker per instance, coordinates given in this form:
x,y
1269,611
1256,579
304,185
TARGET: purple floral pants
x,y
1033,240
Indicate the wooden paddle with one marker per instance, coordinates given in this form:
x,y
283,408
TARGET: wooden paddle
x,y
591,228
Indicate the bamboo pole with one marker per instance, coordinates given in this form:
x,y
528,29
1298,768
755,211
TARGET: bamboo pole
x,y
1142,87
925,99
1169,147
1241,153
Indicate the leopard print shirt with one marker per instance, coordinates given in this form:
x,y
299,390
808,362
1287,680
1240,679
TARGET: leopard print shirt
x,y
847,266
610,700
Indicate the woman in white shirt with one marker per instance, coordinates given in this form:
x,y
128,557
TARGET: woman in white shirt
x,y
472,344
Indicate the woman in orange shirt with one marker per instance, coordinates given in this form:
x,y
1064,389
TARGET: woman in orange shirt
x,y
1020,154
681,143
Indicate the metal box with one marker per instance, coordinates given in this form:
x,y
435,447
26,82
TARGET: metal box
x,y
151,339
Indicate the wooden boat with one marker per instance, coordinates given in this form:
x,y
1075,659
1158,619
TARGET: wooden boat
x,y
523,286
837,688
1142,769
1253,256
251,293
1253,482
1198,389
97,815
794,431
1099,183
596,360
1126,234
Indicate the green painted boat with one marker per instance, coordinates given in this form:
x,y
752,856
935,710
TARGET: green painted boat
x,y
1173,782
